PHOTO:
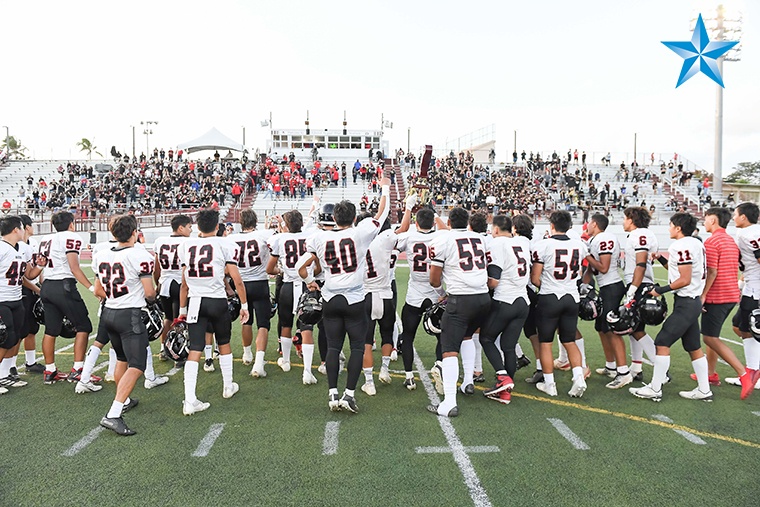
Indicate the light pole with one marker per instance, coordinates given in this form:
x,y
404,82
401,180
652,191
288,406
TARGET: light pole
x,y
148,131
408,138
243,136
133,141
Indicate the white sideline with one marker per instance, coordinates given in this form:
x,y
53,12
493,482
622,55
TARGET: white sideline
x,y
83,442
330,443
566,432
477,492
691,437
208,441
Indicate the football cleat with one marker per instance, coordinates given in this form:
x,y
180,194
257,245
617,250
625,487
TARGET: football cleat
x,y
736,381
51,377
550,389
76,376
86,387
504,397
610,373
3,390
538,376
117,425
109,377
646,392
578,388
479,377
258,371
247,357
452,413
282,363
410,384
308,378
322,369
35,368
503,383
713,379
385,376
522,361
561,365
194,407
230,390
349,403
748,383
133,402
14,371
638,376
334,402
9,381
158,380
620,381
436,372
208,365
696,394
369,388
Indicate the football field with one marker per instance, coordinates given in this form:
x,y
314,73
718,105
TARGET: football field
x,y
276,442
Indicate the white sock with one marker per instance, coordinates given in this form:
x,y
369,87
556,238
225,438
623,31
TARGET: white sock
x,y
752,353
225,364
259,361
538,364
386,361
450,367
647,343
191,378
5,367
367,374
409,374
208,352
30,356
661,366
308,356
350,392
287,345
610,365
149,373
478,352
50,368
467,351
581,343
78,365
247,350
623,370
14,361
637,352
89,363
111,362
700,368
518,350
562,353
115,410
577,372
548,378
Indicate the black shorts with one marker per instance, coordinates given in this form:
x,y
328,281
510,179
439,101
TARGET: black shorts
x,y
12,313
339,318
395,294
259,303
736,319
127,334
611,296
683,323
213,317
170,303
30,325
387,321
61,298
556,315
463,316
506,319
285,305
529,328
746,306
713,317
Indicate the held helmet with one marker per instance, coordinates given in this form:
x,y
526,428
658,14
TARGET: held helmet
x,y
233,306
153,318
177,342
38,311
623,320
754,323
326,215
652,310
431,320
273,303
3,332
310,307
67,328
591,306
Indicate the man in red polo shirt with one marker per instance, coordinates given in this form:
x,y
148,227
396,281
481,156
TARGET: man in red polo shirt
x,y
720,295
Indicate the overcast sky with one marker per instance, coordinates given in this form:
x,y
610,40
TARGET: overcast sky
x,y
580,74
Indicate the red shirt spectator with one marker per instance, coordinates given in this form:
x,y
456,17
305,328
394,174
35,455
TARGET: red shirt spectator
x,y
722,255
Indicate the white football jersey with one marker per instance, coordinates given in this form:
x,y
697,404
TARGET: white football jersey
x,y
204,261
561,257
103,245
640,240
462,255
512,255
166,250
606,243
34,245
288,247
253,253
120,271
748,240
688,250
13,262
416,245
377,278
394,260
343,257
56,248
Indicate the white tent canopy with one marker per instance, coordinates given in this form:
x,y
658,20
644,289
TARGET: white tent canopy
x,y
211,140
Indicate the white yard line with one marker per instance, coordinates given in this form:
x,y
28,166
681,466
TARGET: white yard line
x,y
568,434
691,437
477,492
208,441
729,340
84,442
756,413
330,443
470,449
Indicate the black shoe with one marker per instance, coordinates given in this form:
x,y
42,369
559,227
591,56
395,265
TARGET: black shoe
x,y
468,389
349,403
133,402
639,377
14,372
117,425
452,413
479,378
538,376
180,364
522,362
35,368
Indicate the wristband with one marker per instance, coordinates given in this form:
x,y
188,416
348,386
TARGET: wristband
x,y
244,306
309,279
663,290
92,288
183,311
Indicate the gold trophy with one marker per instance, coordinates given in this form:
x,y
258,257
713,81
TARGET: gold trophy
x,y
420,186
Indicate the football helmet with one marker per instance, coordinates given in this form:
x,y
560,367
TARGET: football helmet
x,y
177,342
3,332
623,320
431,319
591,306
326,215
67,328
233,306
153,318
310,307
38,311
273,303
754,323
652,310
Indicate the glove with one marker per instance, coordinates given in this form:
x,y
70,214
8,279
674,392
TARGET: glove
x,y
178,320
411,202
630,294
585,288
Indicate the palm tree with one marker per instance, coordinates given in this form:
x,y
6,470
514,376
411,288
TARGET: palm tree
x,y
89,147
13,148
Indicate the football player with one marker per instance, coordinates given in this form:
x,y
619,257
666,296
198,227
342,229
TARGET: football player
x,y
472,351
60,296
458,258
342,255
686,277
604,253
203,303
124,280
556,270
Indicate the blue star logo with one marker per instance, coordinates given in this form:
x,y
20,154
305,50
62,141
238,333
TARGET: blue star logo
x,y
700,54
